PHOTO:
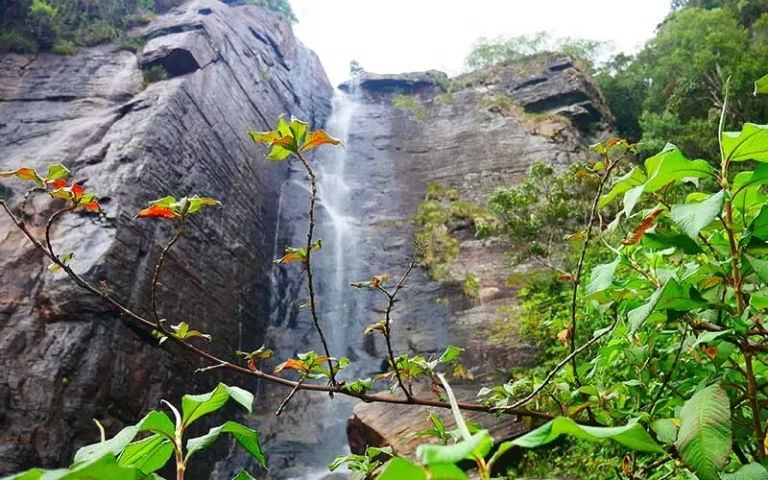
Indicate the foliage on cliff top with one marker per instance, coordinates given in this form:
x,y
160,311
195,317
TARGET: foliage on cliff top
x,y
43,24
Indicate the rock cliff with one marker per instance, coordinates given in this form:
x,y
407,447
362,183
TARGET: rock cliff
x,y
469,134
402,133
66,358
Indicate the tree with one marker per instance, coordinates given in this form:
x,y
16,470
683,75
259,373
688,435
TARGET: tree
x,y
488,52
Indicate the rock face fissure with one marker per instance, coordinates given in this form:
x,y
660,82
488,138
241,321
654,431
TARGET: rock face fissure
x,y
64,357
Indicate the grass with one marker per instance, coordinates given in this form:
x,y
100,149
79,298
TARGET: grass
x,y
410,103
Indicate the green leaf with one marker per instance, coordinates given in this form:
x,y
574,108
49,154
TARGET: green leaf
x,y
183,332
298,130
704,440
148,455
195,406
707,337
639,315
24,173
401,469
761,86
632,435
746,188
156,422
753,471
670,165
662,239
759,266
665,429
692,218
196,203
751,143
249,439
478,445
100,468
602,276
624,184
446,472
450,353
243,475
56,171
759,226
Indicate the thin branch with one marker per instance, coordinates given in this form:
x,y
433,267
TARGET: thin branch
x,y
671,373
159,266
388,326
580,265
551,375
308,265
285,402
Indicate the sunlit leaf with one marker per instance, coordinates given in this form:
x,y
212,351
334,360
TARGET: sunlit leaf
x,y
149,454
752,471
761,86
317,138
55,267
292,364
183,332
247,438
195,406
602,276
156,211
639,231
24,174
55,172
632,435
693,217
751,143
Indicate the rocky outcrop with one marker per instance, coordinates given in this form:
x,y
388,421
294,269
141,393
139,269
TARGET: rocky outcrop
x,y
66,358
472,133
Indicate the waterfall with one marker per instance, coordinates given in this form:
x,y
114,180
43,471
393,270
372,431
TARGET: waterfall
x,y
312,431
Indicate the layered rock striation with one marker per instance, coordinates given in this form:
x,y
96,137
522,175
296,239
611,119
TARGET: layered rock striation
x,y
170,119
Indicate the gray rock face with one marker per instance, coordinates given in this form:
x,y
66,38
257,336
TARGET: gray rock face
x,y
66,358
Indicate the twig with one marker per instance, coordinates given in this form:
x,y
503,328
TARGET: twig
x,y
388,326
308,265
159,266
671,373
284,403
580,265
559,366
212,367
220,363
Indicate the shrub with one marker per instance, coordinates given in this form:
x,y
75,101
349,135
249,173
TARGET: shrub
x,y
155,73
15,42
64,47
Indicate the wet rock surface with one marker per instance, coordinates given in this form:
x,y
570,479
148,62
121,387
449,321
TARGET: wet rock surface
x,y
66,358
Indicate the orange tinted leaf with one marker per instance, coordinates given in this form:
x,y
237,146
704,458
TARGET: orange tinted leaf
x,y
317,138
563,336
77,192
58,183
565,276
711,352
581,173
291,364
639,232
711,282
23,174
156,212
93,205
252,364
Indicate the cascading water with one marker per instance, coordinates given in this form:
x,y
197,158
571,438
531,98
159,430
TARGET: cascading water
x,y
313,429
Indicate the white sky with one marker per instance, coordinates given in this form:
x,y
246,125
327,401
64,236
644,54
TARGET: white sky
x,y
394,36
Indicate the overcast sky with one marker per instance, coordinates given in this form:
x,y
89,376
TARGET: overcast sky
x,y
393,36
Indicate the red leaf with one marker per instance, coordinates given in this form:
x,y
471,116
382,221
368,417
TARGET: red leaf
x,y
639,232
77,192
252,364
58,183
156,212
565,276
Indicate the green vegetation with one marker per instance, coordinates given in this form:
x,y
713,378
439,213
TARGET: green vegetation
x,y
438,215
651,326
125,457
410,103
673,89
154,74
62,25
489,52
